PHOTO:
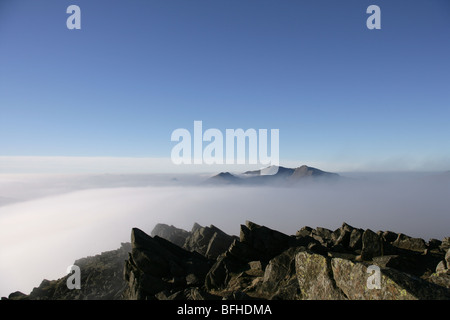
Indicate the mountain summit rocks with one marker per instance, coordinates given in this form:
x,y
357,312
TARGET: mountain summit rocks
x,y
206,263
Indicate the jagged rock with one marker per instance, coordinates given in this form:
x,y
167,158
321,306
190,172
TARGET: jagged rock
x,y
101,279
391,261
341,236
45,290
261,264
389,236
412,244
243,252
442,279
243,282
16,296
230,264
208,241
444,265
218,276
371,245
174,235
156,264
445,245
355,242
322,235
441,267
199,239
352,277
266,242
320,249
434,244
348,256
195,227
315,278
416,264
280,279
255,243
218,244
256,268
303,232
193,280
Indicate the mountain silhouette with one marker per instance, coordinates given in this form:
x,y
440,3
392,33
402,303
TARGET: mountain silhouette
x,y
273,175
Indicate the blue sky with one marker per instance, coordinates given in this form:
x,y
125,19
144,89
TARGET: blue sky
x,y
137,70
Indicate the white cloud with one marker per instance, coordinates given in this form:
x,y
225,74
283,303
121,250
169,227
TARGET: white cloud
x,y
75,216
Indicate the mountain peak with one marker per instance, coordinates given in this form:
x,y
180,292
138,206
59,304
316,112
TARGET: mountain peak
x,y
305,171
272,175
271,170
224,178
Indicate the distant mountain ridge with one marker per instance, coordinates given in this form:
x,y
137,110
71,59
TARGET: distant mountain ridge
x,y
273,176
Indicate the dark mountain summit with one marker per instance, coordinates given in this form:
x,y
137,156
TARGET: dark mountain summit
x,y
224,178
274,175
305,171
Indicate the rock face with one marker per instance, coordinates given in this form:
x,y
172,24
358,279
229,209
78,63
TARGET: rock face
x,y
371,245
315,277
408,243
208,241
174,235
442,274
156,265
351,278
279,277
206,263
101,279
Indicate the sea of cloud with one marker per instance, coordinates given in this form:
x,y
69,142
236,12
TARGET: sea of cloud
x,y
49,221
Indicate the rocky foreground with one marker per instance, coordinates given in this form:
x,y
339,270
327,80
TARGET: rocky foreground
x,y
206,263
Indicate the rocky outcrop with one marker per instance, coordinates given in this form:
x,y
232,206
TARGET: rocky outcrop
x,y
372,245
314,275
351,279
208,241
101,279
445,244
206,263
157,266
442,274
174,235
256,243
280,280
408,243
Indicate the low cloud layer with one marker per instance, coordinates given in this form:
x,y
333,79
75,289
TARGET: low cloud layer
x,y
58,219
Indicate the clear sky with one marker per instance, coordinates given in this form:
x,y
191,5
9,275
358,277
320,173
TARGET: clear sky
x,y
139,69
